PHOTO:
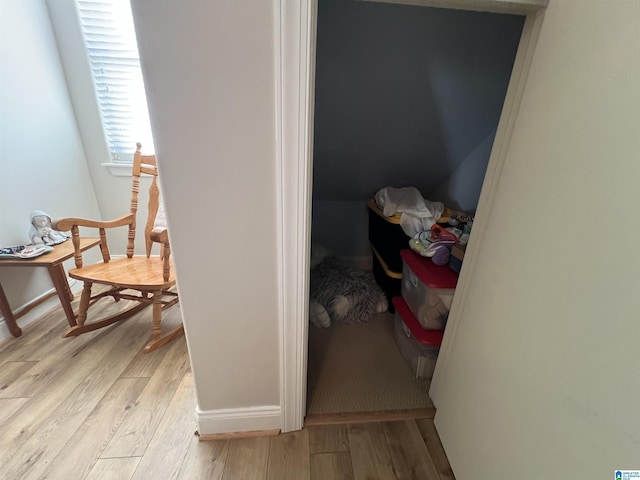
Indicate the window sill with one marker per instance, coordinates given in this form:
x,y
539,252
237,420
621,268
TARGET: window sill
x,y
118,169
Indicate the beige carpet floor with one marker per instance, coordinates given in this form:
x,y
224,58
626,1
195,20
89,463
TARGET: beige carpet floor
x,y
358,368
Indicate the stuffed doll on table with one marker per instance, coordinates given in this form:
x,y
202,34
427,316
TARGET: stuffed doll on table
x,y
41,232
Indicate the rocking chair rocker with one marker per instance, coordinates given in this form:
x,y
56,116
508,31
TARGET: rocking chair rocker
x,y
150,276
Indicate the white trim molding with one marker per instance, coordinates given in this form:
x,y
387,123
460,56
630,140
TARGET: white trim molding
x,y
248,419
294,22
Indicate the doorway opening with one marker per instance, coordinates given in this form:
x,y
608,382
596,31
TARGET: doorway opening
x,y
295,77
404,96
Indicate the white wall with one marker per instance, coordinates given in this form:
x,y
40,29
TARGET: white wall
x,y
113,193
542,375
42,162
209,74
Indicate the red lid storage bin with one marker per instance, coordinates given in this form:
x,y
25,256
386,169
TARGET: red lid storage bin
x,y
428,289
418,346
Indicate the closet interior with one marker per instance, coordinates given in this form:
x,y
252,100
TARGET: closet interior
x,y
405,96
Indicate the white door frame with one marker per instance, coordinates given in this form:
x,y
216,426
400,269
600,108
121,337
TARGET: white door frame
x,y
295,33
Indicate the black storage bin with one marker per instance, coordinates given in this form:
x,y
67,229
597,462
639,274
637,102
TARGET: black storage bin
x,y
386,236
388,280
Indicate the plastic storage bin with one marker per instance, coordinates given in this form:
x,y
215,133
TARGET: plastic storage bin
x,y
418,346
428,289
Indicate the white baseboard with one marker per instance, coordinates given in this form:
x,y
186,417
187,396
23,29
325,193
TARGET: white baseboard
x,y
37,312
231,420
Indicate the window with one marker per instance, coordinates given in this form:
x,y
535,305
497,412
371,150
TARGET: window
x,y
110,40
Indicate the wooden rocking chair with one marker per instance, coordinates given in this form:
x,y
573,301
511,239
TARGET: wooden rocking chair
x,y
150,276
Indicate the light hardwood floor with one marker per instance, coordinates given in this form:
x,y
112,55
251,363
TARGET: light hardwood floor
x,y
96,407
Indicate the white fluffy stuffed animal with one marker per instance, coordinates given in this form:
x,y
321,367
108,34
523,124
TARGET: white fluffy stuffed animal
x,y
341,293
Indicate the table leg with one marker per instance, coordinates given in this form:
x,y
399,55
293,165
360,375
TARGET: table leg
x,y
63,290
9,319
63,275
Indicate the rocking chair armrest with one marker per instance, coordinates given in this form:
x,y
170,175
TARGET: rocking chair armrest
x,y
66,224
160,236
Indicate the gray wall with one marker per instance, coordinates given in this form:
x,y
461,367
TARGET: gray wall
x,y
404,95
461,190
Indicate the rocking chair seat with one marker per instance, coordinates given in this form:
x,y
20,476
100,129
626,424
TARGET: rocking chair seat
x,y
138,272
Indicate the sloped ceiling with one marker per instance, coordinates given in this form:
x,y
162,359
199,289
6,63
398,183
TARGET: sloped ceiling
x,y
403,93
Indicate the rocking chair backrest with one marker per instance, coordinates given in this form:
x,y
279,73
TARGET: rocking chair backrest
x,y
144,164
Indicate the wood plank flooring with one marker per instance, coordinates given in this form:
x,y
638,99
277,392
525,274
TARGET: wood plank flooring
x,y
95,407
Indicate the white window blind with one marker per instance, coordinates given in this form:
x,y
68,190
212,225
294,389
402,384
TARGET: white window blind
x,y
110,39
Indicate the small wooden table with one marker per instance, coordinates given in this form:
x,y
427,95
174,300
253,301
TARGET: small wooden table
x,y
53,261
